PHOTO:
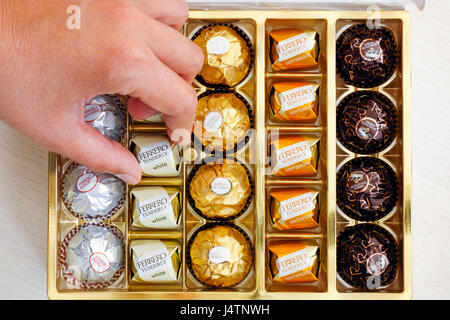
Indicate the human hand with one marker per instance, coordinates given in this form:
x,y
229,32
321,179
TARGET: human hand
x,y
128,47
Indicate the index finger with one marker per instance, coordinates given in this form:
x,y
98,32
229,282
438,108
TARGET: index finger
x,y
173,13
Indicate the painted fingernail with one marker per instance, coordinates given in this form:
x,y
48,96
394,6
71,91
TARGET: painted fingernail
x,y
181,137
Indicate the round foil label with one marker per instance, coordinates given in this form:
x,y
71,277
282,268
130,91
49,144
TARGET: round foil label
x,y
367,128
92,112
370,49
219,254
217,45
357,181
99,262
213,121
86,182
376,264
221,186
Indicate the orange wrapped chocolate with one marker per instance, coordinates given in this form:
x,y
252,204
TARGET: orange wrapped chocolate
x,y
293,48
294,101
294,208
294,261
294,156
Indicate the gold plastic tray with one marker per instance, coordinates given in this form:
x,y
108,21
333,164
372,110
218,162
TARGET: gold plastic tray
x,y
258,23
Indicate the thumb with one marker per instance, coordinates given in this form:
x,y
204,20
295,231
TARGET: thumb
x,y
90,148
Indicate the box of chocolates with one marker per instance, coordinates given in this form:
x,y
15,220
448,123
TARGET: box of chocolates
x,y
296,184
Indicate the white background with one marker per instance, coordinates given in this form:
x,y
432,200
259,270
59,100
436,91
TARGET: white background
x,y
23,178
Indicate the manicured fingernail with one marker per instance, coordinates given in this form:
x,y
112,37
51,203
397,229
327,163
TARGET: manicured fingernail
x,y
181,137
127,178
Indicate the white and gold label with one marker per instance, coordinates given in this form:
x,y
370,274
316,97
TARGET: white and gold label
x,y
296,206
293,154
296,97
293,46
294,262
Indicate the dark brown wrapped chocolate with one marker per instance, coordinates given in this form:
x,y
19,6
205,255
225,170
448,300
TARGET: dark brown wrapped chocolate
x,y
367,256
366,188
366,57
366,122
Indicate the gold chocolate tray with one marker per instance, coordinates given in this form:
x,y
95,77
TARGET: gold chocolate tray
x,y
256,222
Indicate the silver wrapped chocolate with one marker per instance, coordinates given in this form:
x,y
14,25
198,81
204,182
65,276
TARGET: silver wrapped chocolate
x,y
107,114
92,256
91,195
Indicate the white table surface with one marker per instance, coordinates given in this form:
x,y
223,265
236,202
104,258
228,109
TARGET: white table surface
x,y
23,178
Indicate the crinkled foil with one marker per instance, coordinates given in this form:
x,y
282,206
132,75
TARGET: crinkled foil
x,y
294,208
157,156
220,190
156,207
227,55
92,256
221,256
91,195
294,156
221,121
293,48
294,101
155,261
294,261
107,114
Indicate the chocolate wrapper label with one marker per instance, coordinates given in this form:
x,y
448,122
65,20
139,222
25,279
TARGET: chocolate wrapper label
x,y
294,261
296,97
294,156
294,208
293,46
297,206
157,156
152,208
155,261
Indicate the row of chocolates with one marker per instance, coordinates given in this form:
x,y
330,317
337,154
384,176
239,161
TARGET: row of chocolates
x,y
367,188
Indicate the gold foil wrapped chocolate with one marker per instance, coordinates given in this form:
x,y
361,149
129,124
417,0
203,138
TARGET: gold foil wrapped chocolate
x,y
292,49
294,101
222,121
157,156
293,155
220,256
220,190
227,55
294,261
156,207
294,208
155,261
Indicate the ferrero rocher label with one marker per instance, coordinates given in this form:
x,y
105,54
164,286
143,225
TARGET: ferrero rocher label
x,y
220,190
227,55
156,207
157,156
293,49
294,261
155,261
294,208
294,156
221,256
221,121
294,101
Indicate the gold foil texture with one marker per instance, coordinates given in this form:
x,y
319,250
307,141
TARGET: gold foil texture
x,y
293,155
294,101
157,156
222,120
220,256
293,49
155,261
294,208
294,261
227,55
156,207
220,190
